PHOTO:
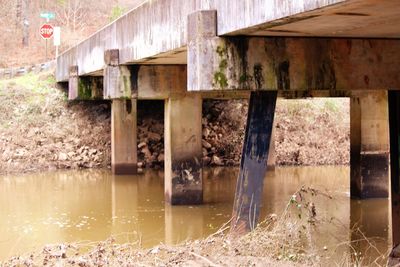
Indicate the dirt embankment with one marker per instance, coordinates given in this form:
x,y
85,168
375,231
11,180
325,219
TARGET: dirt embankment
x,y
40,130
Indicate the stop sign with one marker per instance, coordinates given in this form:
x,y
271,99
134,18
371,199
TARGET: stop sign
x,y
46,31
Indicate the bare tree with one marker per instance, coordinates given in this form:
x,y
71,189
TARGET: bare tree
x,y
72,14
25,22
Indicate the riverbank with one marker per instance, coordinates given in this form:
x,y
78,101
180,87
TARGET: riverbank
x,y
41,130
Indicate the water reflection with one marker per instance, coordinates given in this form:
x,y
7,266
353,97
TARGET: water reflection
x,y
93,205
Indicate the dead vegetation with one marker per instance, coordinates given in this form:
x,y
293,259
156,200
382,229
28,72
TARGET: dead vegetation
x,y
41,130
289,239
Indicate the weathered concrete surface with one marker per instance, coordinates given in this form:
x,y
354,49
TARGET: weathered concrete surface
x,y
124,136
300,64
354,18
183,150
253,164
369,144
155,32
117,78
84,87
160,82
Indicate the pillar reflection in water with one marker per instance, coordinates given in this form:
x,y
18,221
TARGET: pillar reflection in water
x,y
369,230
124,207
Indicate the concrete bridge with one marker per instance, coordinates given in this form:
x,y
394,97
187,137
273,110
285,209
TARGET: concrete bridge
x,y
183,51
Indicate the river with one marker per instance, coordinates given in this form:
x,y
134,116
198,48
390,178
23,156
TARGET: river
x,y
92,205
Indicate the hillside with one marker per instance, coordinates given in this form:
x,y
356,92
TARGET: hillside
x,y
41,130
20,22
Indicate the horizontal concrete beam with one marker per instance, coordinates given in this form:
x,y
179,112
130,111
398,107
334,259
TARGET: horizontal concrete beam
x,y
146,82
278,63
160,81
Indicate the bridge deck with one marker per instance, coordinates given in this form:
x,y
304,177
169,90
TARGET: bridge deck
x,y
156,32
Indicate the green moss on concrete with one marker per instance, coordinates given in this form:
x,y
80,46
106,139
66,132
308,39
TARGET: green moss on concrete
x,y
84,91
220,79
127,87
221,50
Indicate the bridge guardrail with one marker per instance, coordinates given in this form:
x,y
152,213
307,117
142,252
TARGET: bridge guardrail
x,y
8,73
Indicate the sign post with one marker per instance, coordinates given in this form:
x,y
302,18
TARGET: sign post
x,y
57,38
47,15
46,31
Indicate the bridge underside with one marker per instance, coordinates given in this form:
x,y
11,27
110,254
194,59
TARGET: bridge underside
x,y
182,51
156,32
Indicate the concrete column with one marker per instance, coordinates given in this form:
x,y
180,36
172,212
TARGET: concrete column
x,y
253,165
369,144
73,83
183,150
124,136
394,122
272,154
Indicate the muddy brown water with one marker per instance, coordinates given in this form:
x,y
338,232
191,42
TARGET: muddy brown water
x,y
83,206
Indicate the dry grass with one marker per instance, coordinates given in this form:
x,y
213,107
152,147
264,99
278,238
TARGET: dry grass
x,y
40,130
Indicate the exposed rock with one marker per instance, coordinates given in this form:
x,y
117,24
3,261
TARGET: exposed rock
x,y
145,150
216,161
206,132
206,144
141,145
62,156
154,136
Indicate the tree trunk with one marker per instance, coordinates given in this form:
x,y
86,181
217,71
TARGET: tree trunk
x,y
25,23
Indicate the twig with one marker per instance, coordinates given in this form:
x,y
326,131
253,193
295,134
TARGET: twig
x,y
204,259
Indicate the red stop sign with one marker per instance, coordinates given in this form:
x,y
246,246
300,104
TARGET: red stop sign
x,y
46,31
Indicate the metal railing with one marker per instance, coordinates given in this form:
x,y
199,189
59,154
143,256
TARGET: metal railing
x,y
8,73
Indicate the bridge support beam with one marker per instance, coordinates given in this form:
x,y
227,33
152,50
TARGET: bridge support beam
x,y
84,87
124,136
284,63
369,144
183,150
117,78
253,165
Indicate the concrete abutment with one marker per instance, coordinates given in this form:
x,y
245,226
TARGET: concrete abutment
x,y
369,144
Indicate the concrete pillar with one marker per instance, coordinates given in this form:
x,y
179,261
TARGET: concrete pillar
x,y
183,150
394,122
272,154
369,144
253,165
73,83
124,136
